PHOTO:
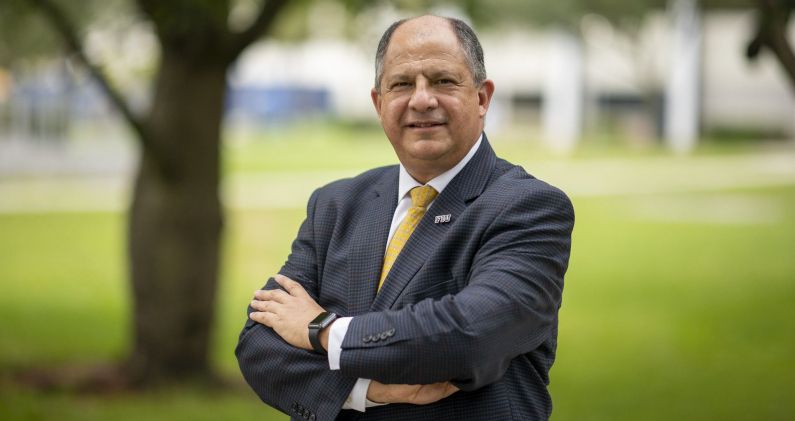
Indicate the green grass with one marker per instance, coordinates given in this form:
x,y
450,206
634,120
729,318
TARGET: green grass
x,y
165,406
677,320
667,314
63,295
65,300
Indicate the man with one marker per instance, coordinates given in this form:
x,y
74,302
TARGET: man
x,y
444,274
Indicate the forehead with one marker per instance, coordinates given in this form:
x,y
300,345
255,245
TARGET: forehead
x,y
422,43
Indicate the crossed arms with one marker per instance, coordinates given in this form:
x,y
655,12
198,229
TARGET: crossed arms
x,y
464,340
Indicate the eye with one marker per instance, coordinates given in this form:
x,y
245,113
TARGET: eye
x,y
399,85
445,82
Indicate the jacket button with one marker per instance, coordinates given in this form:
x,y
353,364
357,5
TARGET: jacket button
x,y
390,332
311,417
367,339
384,335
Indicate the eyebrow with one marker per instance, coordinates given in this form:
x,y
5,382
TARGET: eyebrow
x,y
397,76
443,73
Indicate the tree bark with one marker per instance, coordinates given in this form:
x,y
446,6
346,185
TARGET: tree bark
x,y
175,225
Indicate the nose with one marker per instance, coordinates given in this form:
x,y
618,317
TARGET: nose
x,y
423,98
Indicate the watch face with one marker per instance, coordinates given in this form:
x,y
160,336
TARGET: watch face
x,y
322,320
318,320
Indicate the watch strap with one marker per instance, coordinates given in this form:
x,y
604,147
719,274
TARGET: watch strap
x,y
322,321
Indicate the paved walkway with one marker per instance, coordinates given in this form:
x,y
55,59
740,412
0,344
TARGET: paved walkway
x,y
107,191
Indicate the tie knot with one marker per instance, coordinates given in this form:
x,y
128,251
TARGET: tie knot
x,y
422,196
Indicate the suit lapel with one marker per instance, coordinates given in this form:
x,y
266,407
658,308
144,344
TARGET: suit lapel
x,y
465,187
418,248
369,242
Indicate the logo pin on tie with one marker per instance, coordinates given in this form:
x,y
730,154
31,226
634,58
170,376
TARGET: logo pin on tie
x,y
441,219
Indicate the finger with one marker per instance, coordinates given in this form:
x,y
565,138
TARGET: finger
x,y
292,287
266,318
271,295
269,306
450,389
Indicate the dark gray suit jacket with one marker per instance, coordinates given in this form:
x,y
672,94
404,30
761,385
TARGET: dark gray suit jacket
x,y
474,300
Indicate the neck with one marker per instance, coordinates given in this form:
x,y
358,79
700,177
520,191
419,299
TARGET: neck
x,y
421,176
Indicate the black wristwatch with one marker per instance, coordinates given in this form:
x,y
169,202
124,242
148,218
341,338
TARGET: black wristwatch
x,y
322,321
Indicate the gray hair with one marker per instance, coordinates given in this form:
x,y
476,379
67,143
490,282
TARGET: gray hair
x,y
466,38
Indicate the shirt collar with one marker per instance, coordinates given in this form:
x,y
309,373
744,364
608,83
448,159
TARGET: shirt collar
x,y
406,182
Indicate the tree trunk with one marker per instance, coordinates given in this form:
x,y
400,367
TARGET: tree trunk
x,y
175,216
175,224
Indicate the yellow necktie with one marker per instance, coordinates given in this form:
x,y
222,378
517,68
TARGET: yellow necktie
x,y
420,198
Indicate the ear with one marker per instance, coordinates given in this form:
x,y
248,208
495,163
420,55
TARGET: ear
x,y
485,92
376,97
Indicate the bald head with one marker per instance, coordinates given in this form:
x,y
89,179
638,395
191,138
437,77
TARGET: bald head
x,y
422,26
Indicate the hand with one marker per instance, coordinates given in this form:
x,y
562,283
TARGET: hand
x,y
417,394
288,313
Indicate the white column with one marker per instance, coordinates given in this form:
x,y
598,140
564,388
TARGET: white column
x,y
563,91
683,90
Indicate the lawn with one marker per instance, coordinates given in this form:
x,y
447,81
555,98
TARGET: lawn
x,y
678,304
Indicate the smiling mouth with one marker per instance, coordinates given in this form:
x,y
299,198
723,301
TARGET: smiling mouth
x,y
425,125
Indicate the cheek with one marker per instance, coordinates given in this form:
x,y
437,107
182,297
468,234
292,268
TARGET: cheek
x,y
393,109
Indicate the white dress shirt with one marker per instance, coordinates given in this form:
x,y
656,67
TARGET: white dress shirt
x,y
358,397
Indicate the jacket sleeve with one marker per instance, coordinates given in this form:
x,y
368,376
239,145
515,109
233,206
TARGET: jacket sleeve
x,y
509,306
295,381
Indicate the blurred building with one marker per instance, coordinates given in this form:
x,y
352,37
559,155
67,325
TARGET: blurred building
x,y
549,83
622,86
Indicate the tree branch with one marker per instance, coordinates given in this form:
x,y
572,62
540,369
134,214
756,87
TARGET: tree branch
x,y
270,9
773,16
68,31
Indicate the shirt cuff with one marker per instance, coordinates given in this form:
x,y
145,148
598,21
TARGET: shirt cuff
x,y
336,334
357,400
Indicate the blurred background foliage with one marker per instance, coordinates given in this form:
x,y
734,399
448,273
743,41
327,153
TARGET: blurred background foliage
x,y
678,300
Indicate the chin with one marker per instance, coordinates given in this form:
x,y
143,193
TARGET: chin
x,y
428,149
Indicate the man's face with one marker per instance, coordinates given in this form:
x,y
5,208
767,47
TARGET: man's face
x,y
430,108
